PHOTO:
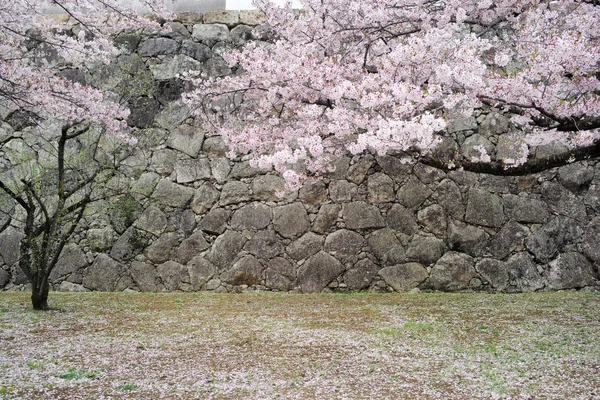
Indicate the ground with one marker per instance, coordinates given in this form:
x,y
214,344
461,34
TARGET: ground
x,y
289,346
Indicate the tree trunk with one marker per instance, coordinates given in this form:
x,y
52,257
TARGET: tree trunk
x,y
39,297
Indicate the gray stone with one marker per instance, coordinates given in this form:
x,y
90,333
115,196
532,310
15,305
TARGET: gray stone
x,y
101,239
172,194
381,188
225,249
404,277
549,150
191,247
123,213
495,184
205,197
562,201
459,123
340,168
290,220
160,250
280,274
425,249
484,208
157,46
243,169
144,276
127,42
576,177
216,67
446,150
198,51
394,167
247,271
470,146
4,278
220,169
251,17
173,115
467,238
268,188
201,271
172,275
547,241
305,246
427,174
192,170
178,30
143,110
187,221
240,35
342,190
318,271
211,33
215,221
413,193
360,215
452,272
508,240
234,192
433,219
214,146
592,198
510,148
174,66
402,220
71,259
386,247
523,273
152,220
227,17
570,271
253,216
130,244
264,244
591,240
214,284
495,272
145,185
326,218
525,209
358,171
344,245
187,140
494,124
104,274
361,275
66,286
313,192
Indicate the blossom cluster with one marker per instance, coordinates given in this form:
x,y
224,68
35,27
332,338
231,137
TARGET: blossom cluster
x,y
386,75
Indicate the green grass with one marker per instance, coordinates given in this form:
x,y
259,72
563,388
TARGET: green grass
x,y
322,346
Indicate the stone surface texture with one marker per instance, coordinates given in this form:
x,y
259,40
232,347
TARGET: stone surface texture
x,y
200,221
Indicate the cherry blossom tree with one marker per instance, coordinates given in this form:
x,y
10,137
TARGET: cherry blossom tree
x,y
51,172
387,75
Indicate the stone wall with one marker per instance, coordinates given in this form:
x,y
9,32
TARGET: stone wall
x,y
198,221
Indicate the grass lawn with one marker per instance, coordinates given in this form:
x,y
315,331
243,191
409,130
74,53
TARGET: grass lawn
x,y
286,346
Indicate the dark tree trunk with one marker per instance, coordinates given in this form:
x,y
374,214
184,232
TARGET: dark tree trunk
x,y
39,297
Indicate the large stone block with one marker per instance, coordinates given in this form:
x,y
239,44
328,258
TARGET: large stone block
x,y
425,249
205,197
160,250
386,247
433,218
495,272
523,273
172,194
192,170
104,274
452,272
152,220
291,220
210,33
130,244
525,209
361,275
280,274
247,271
402,220
591,240
360,215
508,240
191,247
215,221
234,192
318,271
571,271
264,244
563,202
157,46
174,66
326,218
253,216
313,192
71,259
187,140
380,188
172,276
448,195
228,17
144,276
201,271
344,245
413,193
10,245
576,177
547,241
484,208
404,277
225,249
305,246
467,238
